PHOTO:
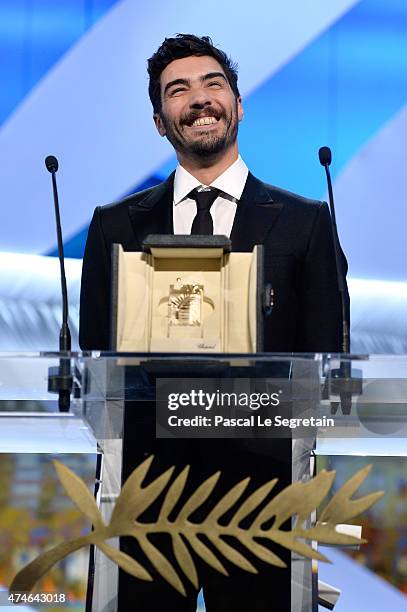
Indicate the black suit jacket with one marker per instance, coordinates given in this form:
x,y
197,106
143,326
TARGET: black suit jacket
x,y
299,261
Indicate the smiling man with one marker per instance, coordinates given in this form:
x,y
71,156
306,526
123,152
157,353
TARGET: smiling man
x,y
199,114
197,107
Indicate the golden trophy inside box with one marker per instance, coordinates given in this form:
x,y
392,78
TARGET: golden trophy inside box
x,y
187,294
185,304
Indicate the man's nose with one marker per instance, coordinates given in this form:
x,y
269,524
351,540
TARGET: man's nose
x,y
200,98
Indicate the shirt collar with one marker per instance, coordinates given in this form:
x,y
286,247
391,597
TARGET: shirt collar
x,y
231,181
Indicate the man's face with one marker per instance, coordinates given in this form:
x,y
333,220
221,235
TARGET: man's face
x,y
199,113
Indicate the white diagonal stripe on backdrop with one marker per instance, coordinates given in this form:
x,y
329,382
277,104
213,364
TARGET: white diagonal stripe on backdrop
x,y
370,192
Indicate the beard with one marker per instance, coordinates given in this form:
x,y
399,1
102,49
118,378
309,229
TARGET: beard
x,y
206,144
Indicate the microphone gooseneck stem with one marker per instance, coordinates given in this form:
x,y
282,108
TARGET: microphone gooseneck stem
x,y
60,378
65,334
342,382
339,268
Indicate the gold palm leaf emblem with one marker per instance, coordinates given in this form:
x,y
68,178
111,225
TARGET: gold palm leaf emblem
x,y
297,500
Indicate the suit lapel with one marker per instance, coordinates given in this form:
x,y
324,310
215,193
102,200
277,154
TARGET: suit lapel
x,y
255,215
153,214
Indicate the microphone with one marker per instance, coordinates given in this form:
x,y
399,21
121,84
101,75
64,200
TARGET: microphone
x,y
325,158
342,382
51,163
60,379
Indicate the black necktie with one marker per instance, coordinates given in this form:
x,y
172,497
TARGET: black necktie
x,y
202,223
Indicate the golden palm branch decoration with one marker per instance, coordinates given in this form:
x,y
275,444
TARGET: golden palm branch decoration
x,y
297,500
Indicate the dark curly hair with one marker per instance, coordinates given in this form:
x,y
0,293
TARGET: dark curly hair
x,y
185,45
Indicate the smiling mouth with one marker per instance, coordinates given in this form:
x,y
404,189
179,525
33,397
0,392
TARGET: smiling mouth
x,y
203,121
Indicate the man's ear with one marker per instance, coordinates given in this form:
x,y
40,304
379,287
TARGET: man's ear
x,y
159,124
240,113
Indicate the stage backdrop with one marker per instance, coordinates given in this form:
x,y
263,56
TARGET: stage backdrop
x,y
73,83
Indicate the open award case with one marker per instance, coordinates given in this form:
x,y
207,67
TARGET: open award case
x,y
187,294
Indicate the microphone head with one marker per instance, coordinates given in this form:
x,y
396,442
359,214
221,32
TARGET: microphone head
x,y
325,156
51,163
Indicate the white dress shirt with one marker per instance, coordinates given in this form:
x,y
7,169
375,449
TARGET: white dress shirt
x,y
231,184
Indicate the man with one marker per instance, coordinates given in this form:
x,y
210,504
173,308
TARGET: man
x,y
197,106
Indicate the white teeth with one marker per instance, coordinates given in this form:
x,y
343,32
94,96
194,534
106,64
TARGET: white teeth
x,y
204,121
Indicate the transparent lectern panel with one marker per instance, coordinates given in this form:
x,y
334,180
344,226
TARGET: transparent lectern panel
x,y
114,395
117,383
35,510
103,392
368,401
370,413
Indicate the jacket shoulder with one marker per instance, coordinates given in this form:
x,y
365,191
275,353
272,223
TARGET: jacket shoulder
x,y
122,205
293,199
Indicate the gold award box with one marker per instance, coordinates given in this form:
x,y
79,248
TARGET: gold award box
x,y
188,294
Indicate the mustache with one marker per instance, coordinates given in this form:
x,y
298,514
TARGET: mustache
x,y
190,117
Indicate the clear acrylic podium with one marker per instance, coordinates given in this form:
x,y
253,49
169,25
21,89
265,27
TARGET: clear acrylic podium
x,y
31,424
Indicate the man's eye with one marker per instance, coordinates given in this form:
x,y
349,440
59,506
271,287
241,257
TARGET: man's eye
x,y
215,84
177,90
